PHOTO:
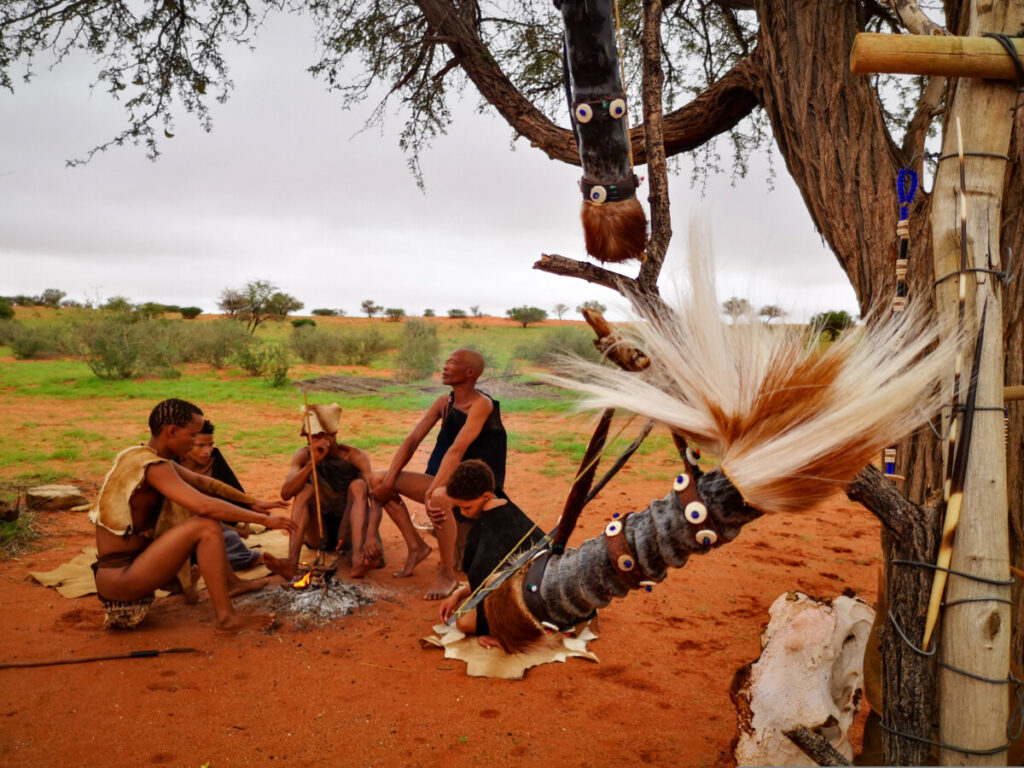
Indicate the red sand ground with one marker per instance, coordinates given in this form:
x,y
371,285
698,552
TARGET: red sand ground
x,y
362,691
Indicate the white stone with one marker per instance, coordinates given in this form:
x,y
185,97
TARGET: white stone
x,y
810,674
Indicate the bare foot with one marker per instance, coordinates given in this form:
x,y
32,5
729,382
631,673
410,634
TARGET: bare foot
x,y
276,565
191,592
441,589
415,557
247,622
244,586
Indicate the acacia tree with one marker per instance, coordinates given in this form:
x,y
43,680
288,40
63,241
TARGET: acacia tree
x,y
751,71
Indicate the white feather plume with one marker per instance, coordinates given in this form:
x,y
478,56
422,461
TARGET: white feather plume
x,y
788,421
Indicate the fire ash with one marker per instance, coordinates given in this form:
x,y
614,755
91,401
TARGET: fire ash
x,y
311,606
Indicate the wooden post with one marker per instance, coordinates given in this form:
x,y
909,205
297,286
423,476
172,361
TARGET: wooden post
x,y
975,635
976,631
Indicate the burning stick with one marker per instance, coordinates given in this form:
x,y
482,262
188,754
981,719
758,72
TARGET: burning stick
x,y
614,223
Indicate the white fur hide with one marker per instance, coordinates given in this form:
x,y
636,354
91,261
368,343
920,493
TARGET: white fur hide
x,y
810,674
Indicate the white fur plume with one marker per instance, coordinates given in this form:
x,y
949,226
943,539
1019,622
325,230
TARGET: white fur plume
x,y
789,422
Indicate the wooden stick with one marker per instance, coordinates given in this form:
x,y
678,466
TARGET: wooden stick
x,y
316,482
86,659
1013,393
945,56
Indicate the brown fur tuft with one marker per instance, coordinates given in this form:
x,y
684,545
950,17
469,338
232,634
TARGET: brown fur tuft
x,y
615,231
511,623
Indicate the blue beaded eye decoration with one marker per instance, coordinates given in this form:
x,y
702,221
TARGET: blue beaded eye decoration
x,y
598,195
706,537
696,512
584,113
681,483
617,108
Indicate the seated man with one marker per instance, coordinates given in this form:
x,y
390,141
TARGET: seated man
x,y
471,428
342,475
499,528
131,564
206,459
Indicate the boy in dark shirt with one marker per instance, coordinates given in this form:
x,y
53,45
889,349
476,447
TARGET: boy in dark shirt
x,y
499,528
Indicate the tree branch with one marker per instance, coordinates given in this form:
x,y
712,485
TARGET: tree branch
x,y
653,82
713,112
917,128
917,23
560,265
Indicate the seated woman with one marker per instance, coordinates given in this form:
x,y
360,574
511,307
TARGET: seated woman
x,y
500,527
206,459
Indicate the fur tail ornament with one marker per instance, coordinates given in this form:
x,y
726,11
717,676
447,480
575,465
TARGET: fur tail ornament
x,y
614,223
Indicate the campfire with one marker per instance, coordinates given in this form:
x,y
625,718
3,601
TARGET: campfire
x,y
313,599
316,576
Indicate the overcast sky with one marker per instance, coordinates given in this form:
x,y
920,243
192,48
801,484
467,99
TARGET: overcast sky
x,y
287,189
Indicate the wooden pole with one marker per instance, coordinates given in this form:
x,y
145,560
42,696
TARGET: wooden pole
x,y
946,56
975,635
316,481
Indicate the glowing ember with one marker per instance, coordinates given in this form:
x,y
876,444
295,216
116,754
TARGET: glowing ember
x,y
304,581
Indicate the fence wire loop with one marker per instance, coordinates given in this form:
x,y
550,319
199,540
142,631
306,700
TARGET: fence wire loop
x,y
1015,724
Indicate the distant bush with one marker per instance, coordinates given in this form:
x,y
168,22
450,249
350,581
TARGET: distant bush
x,y
362,347
394,314
41,342
120,304
214,343
277,365
6,310
546,349
9,330
300,322
191,313
419,351
428,313
253,358
457,313
120,346
325,312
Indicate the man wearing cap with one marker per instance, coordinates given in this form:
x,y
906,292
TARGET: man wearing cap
x,y
342,478
471,428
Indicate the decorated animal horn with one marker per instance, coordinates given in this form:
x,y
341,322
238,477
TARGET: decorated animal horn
x,y
789,424
554,593
614,223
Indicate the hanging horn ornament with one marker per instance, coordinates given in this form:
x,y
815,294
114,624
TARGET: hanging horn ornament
x,y
788,423
614,223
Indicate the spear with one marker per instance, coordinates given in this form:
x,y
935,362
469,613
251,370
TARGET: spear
x,y
955,490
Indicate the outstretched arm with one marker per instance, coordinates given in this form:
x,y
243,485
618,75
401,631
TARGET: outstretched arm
x,y
214,487
166,480
385,488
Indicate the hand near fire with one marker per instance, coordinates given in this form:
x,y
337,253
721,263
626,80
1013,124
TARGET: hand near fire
x,y
265,507
281,524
